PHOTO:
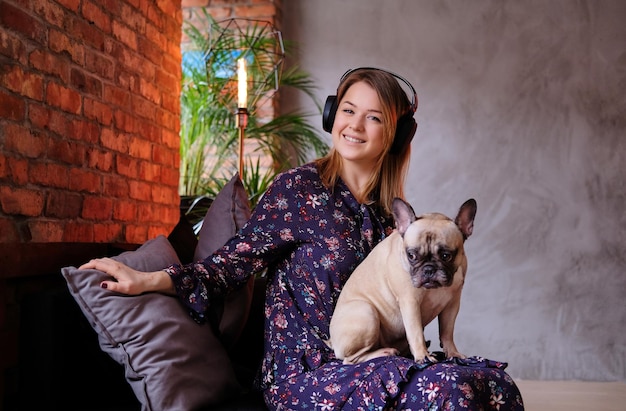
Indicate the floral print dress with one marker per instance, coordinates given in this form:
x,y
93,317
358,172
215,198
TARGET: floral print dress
x,y
310,239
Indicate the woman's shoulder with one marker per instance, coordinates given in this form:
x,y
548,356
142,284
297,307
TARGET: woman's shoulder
x,y
304,177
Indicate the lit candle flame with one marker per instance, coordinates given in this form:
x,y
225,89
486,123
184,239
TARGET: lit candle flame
x,y
242,85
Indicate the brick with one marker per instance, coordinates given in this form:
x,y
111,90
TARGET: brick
x,y
45,231
168,120
100,159
26,84
171,139
21,201
127,166
39,115
64,98
140,148
98,111
94,14
124,34
117,96
136,234
50,64
150,90
50,12
154,231
149,171
13,18
66,151
20,140
85,82
172,66
17,170
131,18
114,141
92,36
85,131
139,190
165,195
77,231
150,49
61,43
8,231
170,176
163,155
84,180
115,186
12,47
48,175
123,121
146,213
63,205
147,130
107,232
72,5
12,107
97,208
58,123
99,64
126,79
171,101
125,211
143,108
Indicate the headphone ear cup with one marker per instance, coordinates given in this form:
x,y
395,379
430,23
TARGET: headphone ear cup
x,y
330,109
405,130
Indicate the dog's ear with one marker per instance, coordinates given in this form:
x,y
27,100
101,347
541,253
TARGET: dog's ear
x,y
465,218
403,214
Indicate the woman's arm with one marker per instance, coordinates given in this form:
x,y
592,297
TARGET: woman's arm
x,y
130,281
270,235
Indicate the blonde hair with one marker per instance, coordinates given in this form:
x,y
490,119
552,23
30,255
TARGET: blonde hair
x,y
387,180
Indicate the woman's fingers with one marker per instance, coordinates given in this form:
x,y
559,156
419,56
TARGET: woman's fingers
x,y
102,264
126,280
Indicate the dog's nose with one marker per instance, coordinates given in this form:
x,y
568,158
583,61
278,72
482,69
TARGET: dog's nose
x,y
429,271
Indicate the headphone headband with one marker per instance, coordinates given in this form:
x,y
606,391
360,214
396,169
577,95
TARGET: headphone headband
x,y
397,76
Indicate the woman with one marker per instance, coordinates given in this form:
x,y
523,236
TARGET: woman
x,y
312,227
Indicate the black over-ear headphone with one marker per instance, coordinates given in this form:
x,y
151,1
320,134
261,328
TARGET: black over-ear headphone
x,y
405,129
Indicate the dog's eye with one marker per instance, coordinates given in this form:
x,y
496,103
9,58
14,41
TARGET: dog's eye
x,y
412,255
446,256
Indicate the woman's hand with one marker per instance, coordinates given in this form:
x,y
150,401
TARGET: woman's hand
x,y
130,281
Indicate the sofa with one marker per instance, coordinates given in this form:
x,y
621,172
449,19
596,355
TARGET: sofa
x,y
63,368
86,348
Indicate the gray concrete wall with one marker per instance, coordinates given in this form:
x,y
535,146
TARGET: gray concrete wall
x,y
522,105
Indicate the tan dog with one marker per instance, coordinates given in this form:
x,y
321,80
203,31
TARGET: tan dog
x,y
409,278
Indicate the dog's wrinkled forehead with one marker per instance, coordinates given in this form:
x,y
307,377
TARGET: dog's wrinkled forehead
x,y
433,229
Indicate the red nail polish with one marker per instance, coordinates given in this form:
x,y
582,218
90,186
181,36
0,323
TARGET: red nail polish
x,y
103,285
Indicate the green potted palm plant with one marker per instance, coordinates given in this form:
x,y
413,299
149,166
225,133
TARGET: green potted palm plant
x,y
209,138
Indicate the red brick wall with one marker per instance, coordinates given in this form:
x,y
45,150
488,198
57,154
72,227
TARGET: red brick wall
x,y
89,120
265,10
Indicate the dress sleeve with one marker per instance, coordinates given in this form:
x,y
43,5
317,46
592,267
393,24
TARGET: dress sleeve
x,y
269,235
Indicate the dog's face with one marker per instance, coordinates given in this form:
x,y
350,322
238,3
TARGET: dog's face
x,y
433,243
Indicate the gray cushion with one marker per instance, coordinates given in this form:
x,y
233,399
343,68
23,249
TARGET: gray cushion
x,y
228,213
171,362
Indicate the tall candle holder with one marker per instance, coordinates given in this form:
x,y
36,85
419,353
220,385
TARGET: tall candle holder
x,y
242,123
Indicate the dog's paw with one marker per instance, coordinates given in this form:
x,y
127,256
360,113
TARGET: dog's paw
x,y
453,354
424,358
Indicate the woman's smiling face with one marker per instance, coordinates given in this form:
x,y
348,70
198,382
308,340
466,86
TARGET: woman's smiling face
x,y
358,127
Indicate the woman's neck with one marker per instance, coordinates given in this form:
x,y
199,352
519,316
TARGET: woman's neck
x,y
356,178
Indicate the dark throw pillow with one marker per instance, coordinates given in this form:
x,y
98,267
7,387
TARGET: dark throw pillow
x,y
171,362
228,213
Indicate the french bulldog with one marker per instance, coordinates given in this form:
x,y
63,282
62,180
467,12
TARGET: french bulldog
x,y
408,279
